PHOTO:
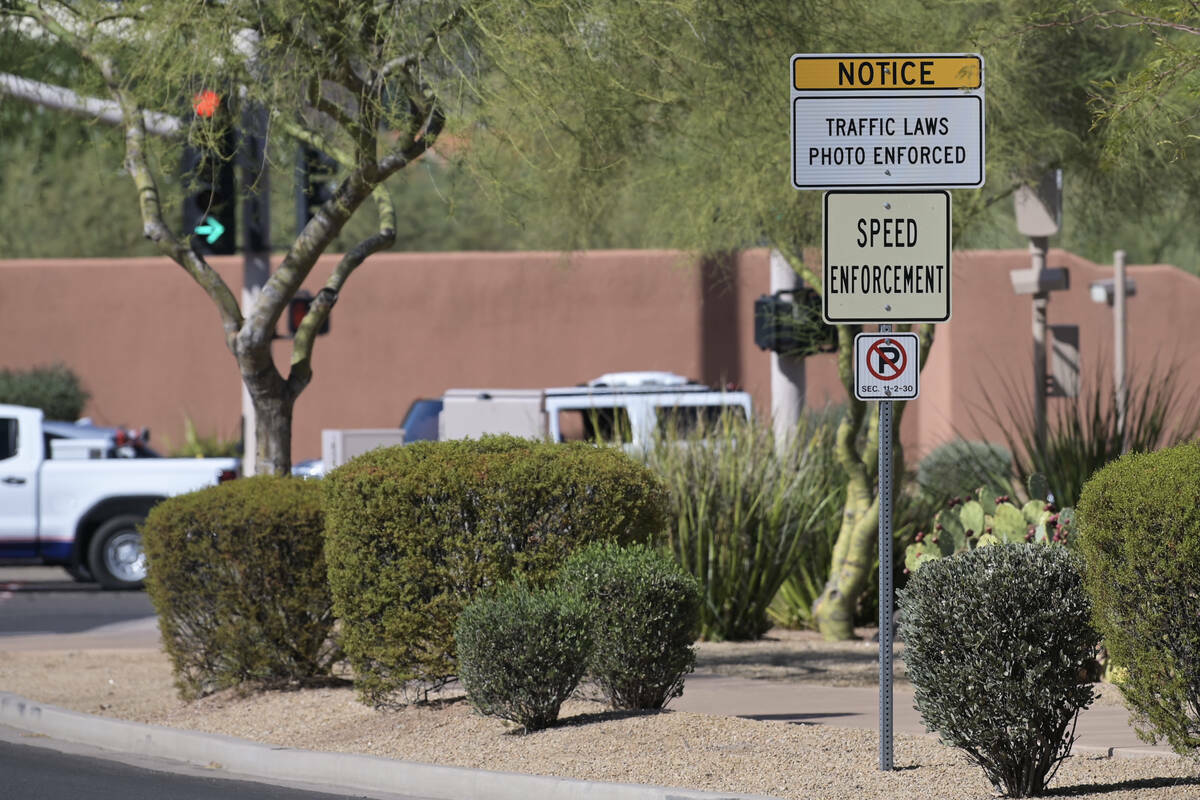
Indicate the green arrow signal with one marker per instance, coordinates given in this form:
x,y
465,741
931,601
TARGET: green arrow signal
x,y
211,229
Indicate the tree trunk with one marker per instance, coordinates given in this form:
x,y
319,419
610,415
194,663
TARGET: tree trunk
x,y
273,402
856,548
853,557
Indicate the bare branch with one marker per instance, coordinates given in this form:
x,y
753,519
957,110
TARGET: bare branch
x,y
63,99
138,165
315,140
318,312
1137,20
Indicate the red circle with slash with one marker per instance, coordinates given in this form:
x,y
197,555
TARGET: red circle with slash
x,y
887,361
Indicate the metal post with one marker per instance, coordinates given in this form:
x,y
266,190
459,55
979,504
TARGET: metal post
x,y
787,373
885,580
1119,341
256,248
1037,252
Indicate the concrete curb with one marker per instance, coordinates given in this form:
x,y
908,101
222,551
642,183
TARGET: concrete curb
x,y
241,758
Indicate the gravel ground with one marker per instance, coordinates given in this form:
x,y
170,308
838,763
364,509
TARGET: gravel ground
x,y
666,748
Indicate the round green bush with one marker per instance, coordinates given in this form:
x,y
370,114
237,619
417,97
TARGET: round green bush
x,y
414,532
55,389
521,652
1138,527
236,573
996,641
645,614
959,467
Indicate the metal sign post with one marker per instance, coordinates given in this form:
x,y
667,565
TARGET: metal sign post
x,y
885,580
902,128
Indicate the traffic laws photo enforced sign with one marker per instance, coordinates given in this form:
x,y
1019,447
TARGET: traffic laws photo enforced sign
x,y
886,366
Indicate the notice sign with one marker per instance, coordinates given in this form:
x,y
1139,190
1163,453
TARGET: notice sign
x,y
886,366
886,257
866,121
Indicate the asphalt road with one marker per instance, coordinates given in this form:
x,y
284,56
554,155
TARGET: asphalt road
x,y
46,773
46,600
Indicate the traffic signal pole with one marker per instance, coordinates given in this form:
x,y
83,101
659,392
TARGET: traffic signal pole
x,y
256,246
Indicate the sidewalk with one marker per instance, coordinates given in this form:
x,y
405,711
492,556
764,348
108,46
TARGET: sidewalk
x,y
1103,728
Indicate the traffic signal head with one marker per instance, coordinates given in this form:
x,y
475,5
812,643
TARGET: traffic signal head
x,y
297,308
315,174
210,190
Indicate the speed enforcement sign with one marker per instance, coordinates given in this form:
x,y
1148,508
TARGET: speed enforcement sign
x,y
887,257
886,366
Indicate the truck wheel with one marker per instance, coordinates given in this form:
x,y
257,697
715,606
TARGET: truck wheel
x,y
115,555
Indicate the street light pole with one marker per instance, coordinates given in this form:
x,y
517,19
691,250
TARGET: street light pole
x,y
1037,253
1119,341
787,372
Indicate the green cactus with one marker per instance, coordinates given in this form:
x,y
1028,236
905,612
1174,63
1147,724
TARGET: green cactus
x,y
986,520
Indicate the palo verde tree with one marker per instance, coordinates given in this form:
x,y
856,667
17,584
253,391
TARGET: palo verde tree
x,y
692,134
371,84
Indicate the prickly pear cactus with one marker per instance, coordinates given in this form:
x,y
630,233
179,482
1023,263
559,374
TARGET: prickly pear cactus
x,y
986,520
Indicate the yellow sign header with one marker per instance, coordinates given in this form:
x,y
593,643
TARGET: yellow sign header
x,y
886,72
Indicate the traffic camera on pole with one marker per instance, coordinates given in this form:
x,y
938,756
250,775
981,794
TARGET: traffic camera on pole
x,y
210,198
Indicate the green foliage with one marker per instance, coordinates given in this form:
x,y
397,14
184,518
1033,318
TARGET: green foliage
x,y
212,446
959,467
415,532
643,613
55,389
50,160
521,652
745,511
996,640
236,573
1140,535
1085,433
984,520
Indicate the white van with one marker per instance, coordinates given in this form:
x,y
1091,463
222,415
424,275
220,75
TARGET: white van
x,y
625,407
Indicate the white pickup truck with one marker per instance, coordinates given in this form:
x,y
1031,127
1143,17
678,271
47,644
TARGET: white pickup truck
x,y
68,497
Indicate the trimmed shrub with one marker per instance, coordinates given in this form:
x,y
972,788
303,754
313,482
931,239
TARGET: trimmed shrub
x,y
414,532
521,652
644,614
55,389
996,640
960,467
1138,527
236,573
745,513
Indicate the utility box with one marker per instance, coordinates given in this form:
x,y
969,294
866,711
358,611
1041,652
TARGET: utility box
x,y
339,446
64,449
1064,361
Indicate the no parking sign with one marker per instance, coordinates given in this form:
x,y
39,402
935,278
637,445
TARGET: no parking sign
x,y
886,366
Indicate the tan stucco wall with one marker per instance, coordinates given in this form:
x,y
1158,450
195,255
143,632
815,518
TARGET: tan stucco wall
x,y
986,350
148,343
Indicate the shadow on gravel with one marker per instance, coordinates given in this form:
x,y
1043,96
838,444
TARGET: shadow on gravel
x,y
798,719
578,720
1121,786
